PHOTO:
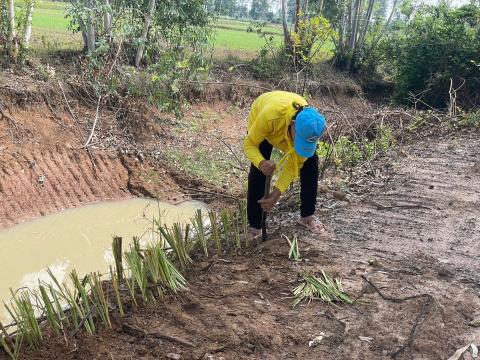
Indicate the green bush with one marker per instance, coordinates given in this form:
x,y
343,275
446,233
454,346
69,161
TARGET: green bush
x,y
345,152
437,45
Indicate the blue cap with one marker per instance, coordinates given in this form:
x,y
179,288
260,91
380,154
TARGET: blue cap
x,y
309,126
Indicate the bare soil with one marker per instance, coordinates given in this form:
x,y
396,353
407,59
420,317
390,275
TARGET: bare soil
x,y
405,244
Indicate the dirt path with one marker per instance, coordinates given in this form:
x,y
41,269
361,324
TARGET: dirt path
x,y
415,233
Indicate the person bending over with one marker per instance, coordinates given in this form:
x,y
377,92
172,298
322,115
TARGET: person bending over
x,y
284,121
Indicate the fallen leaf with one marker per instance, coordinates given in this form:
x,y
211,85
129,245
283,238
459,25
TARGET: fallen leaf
x,y
316,341
366,338
459,353
474,351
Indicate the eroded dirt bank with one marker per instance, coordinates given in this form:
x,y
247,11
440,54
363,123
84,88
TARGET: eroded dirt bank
x,y
413,229
414,233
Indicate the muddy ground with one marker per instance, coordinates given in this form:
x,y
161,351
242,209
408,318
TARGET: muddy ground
x,y
412,230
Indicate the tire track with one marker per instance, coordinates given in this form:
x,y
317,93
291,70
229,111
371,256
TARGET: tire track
x,y
442,178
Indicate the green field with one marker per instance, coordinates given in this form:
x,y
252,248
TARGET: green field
x,y
230,37
50,32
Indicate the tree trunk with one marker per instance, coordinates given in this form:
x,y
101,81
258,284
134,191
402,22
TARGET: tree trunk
x,y
107,21
146,26
297,15
355,19
286,33
366,24
305,9
320,7
375,42
28,24
12,33
90,29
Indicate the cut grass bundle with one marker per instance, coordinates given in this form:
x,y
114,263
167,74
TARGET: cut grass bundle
x,y
326,288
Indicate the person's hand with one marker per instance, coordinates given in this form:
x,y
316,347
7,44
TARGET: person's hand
x,y
267,167
267,203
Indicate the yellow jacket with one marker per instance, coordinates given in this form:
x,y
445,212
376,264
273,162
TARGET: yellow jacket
x,y
269,119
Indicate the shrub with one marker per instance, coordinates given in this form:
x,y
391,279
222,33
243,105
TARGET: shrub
x,y
439,44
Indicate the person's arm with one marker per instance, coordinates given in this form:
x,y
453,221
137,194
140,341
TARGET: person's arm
x,y
287,174
256,134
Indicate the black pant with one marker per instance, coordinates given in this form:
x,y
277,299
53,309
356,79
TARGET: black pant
x,y
256,187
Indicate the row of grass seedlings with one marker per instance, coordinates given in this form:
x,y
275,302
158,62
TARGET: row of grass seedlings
x,y
116,289
326,289
226,224
82,299
138,274
100,299
23,314
199,227
215,235
294,252
242,208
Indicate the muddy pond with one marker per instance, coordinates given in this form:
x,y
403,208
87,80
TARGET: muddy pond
x,y
78,238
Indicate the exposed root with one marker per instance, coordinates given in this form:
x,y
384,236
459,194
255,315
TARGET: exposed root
x,y
426,307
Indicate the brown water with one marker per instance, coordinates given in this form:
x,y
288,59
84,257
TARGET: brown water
x,y
79,238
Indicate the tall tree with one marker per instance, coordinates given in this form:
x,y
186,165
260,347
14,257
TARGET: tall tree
x,y
146,26
12,33
28,23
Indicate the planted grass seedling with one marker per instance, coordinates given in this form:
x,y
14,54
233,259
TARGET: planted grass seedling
x,y
215,236
226,223
100,299
242,208
12,347
22,312
83,304
116,290
137,271
118,256
326,288
54,319
177,240
294,252
199,227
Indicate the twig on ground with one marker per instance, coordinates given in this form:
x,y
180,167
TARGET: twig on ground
x,y
94,123
393,206
136,330
200,191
